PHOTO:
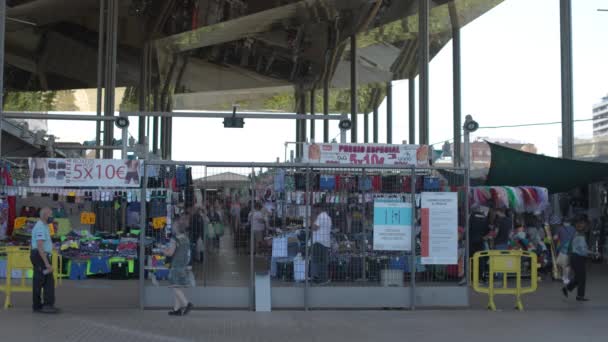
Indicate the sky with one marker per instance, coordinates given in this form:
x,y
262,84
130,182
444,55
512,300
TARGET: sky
x,y
510,76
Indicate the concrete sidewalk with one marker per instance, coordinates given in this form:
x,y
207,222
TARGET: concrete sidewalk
x,y
102,310
577,324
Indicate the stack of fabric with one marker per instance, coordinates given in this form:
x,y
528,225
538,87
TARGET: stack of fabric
x,y
521,199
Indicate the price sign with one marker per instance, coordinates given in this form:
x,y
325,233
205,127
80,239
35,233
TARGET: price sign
x,y
159,222
56,172
87,218
20,222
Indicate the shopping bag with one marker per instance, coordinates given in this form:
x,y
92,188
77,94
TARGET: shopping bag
x,y
191,278
219,229
210,231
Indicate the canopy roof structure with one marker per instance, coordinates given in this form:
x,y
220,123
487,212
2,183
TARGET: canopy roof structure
x,y
514,168
226,49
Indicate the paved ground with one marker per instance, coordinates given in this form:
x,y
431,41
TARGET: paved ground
x,y
103,311
578,324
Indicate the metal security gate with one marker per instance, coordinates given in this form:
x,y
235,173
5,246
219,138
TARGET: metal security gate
x,y
310,228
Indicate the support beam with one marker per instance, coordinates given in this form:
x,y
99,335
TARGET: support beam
x,y
424,57
412,109
111,47
298,138
457,86
304,133
168,114
389,112
312,112
2,33
366,128
142,94
326,111
353,88
567,79
375,123
100,77
156,107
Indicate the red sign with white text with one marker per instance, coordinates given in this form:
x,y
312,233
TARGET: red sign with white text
x,y
56,172
367,154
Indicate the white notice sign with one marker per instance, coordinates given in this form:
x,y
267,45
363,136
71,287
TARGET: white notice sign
x,y
392,225
439,240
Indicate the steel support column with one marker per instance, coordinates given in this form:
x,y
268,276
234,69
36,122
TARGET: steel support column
x,y
389,112
353,88
457,86
567,79
111,47
312,112
424,57
412,110
303,123
366,128
100,76
156,107
375,124
142,93
326,111
2,33
298,138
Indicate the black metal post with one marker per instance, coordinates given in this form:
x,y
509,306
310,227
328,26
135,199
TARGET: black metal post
x,y
412,110
100,76
303,134
389,112
142,94
424,57
457,85
567,79
353,87
155,128
326,111
312,112
375,123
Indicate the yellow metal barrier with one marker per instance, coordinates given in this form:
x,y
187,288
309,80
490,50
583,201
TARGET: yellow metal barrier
x,y
507,263
18,258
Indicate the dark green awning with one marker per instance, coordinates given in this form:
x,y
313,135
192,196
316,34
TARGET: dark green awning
x,y
514,168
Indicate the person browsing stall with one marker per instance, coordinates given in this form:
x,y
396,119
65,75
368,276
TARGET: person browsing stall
x,y
259,223
579,251
179,274
321,243
43,287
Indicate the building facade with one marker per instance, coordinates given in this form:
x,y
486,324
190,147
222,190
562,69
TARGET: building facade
x,y
600,118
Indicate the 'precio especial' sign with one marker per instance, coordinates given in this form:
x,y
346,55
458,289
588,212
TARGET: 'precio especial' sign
x,y
56,172
367,154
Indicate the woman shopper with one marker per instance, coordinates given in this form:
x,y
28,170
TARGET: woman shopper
x,y
258,222
179,274
563,237
579,251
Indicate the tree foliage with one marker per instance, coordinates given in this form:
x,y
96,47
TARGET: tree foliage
x,y
35,101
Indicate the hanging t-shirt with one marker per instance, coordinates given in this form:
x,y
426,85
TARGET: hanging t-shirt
x,y
365,183
323,234
328,182
279,181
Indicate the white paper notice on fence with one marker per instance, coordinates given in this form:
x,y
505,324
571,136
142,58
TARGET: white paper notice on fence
x,y
439,240
392,225
57,172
